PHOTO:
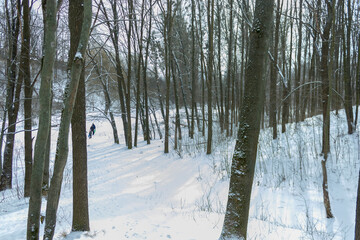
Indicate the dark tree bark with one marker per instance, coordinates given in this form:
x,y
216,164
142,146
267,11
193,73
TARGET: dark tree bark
x,y
357,217
274,72
178,134
298,65
13,90
287,89
167,42
221,92
80,221
193,71
347,72
326,76
229,70
62,142
244,158
25,70
128,92
210,68
145,62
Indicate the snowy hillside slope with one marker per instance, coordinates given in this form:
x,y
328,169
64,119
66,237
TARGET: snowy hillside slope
x,y
145,194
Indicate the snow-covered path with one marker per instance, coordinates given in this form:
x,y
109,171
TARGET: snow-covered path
x,y
143,193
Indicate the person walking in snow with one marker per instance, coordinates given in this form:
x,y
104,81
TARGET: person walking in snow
x,y
92,130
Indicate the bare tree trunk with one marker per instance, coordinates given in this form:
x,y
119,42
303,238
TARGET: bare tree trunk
x,y
13,90
326,76
273,73
357,217
80,221
298,66
25,69
62,143
145,62
167,41
244,158
128,94
229,70
177,107
347,74
46,172
2,137
210,65
287,90
44,120
138,76
357,101
193,71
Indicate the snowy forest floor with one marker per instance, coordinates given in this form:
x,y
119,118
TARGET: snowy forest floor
x,y
145,194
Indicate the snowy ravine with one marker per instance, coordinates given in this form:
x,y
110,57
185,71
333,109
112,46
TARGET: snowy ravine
x,y
145,194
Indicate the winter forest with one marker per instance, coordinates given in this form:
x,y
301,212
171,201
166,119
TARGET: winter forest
x,y
213,119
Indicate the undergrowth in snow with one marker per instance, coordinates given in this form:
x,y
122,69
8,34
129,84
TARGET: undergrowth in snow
x,y
145,194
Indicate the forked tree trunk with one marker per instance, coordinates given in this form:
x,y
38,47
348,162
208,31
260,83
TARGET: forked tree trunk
x,y
44,121
244,158
62,142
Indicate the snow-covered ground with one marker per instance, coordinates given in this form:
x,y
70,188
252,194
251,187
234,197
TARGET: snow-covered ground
x,y
145,194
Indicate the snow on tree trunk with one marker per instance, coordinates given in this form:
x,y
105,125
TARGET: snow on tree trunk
x,y
244,157
62,147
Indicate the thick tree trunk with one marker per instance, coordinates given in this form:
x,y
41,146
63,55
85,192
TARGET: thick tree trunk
x,y
62,142
44,121
244,158
80,221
